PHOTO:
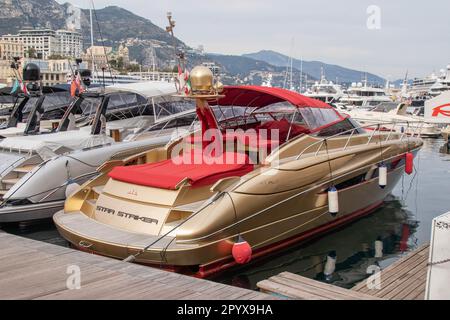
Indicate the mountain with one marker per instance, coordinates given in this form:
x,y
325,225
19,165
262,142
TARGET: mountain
x,y
148,43
117,25
250,71
332,72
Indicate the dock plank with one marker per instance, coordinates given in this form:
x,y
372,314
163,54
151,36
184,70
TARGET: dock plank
x,y
37,270
404,279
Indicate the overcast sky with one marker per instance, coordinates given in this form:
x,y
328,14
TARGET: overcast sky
x,y
414,34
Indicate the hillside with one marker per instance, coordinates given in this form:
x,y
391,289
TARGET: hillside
x,y
117,25
332,72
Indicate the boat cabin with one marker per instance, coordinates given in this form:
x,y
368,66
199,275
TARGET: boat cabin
x,y
240,128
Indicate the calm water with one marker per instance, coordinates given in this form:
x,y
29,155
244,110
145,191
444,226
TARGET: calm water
x,y
403,224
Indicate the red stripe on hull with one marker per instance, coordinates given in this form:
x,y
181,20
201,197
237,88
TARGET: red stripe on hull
x,y
208,271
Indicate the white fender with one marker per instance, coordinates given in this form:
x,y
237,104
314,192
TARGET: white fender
x,y
72,188
333,201
382,177
379,249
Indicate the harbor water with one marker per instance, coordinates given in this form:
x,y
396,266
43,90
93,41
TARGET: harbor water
x,y
402,224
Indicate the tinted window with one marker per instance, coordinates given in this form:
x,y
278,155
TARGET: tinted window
x,y
319,117
344,127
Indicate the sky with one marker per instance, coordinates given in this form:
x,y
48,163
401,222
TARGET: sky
x,y
385,37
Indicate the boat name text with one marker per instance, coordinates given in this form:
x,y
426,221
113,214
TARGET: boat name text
x,y
125,215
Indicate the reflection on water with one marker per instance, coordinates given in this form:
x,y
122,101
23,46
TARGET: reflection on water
x,y
445,149
43,230
353,246
401,225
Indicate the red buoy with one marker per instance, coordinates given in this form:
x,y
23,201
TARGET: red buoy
x,y
242,251
409,166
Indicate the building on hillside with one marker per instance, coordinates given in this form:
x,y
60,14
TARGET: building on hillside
x,y
97,57
42,41
215,69
10,50
155,76
46,42
6,74
124,53
70,43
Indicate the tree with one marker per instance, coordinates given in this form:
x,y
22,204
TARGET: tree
x,y
56,57
120,64
31,53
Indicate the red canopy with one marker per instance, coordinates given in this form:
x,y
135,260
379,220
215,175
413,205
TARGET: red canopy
x,y
259,97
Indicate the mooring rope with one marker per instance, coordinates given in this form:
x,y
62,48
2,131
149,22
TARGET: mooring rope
x,y
430,264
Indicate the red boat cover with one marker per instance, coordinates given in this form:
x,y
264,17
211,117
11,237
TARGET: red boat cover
x,y
170,173
259,97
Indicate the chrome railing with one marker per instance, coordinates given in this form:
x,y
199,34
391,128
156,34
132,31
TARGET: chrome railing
x,y
376,127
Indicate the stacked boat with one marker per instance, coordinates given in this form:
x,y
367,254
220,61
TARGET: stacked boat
x,y
39,169
268,168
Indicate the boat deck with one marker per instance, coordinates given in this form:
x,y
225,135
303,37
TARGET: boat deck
x,y
403,280
38,270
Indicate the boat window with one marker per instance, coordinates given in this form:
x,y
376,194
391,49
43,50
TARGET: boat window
x,y
178,122
318,117
344,127
352,182
166,106
29,105
89,105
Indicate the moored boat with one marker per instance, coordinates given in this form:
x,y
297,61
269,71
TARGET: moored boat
x,y
293,168
38,171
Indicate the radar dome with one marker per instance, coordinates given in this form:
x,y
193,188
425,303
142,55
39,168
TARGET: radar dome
x,y
31,72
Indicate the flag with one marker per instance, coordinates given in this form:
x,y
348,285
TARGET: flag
x,y
188,87
75,86
15,87
180,80
24,88
79,84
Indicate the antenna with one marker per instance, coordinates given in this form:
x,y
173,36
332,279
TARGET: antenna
x,y
103,41
92,41
178,55
301,74
170,29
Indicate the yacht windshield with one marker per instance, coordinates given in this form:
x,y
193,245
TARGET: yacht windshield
x,y
288,119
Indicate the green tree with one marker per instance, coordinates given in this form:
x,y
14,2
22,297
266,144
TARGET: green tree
x,y
56,57
31,53
120,64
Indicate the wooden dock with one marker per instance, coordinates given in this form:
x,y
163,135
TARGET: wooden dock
x,y
403,280
35,270
297,287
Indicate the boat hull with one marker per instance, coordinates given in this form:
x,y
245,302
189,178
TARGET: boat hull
x,y
32,212
206,259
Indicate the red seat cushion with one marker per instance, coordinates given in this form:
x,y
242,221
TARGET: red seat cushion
x,y
170,173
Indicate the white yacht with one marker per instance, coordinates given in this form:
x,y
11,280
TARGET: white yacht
x,y
442,84
362,95
37,172
397,119
433,85
325,90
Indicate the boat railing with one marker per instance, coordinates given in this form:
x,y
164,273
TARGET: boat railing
x,y
374,128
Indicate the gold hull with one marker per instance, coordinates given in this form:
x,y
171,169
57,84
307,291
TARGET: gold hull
x,y
203,244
